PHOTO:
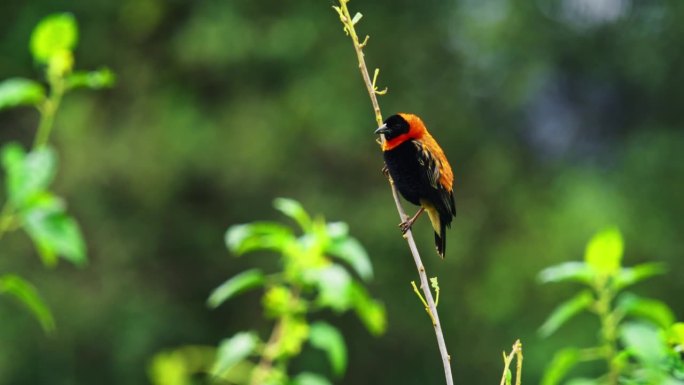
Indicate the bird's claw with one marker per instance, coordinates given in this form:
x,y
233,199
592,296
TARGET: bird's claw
x,y
385,171
405,226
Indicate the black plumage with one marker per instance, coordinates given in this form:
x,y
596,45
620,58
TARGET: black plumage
x,y
420,172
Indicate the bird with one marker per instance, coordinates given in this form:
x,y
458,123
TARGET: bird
x,y
420,171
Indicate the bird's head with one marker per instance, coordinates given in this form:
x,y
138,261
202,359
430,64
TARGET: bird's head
x,y
400,128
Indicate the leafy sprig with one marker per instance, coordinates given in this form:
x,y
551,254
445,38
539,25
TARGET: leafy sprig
x,y
323,268
638,337
29,203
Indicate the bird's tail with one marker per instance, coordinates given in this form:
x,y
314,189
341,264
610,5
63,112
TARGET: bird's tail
x,y
439,225
440,240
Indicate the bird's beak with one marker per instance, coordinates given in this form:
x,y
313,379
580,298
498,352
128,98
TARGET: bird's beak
x,y
382,130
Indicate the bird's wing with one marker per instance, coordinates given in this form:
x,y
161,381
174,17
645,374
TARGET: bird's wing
x,y
430,164
434,168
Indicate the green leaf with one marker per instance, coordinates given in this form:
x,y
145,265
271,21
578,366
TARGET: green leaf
x,y
102,78
560,365
644,342
645,308
565,311
280,300
630,275
604,251
53,231
20,92
233,350
568,271
27,294
350,250
357,17
242,282
306,378
334,284
241,239
370,312
294,210
178,366
273,375
27,174
327,338
169,368
675,334
54,34
337,230
240,373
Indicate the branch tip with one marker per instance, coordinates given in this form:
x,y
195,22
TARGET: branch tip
x,y
374,83
516,353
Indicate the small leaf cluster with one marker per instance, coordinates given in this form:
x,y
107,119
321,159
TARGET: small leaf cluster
x,y
38,211
323,268
53,42
639,339
29,204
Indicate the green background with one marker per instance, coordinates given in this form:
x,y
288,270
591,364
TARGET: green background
x,y
558,117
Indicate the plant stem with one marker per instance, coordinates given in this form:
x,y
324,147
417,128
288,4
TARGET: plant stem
x,y
446,358
267,357
348,23
48,110
346,19
266,361
518,363
47,117
608,330
516,352
592,354
6,218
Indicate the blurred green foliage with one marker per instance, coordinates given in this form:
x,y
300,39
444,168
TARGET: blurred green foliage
x,y
29,204
635,337
559,117
26,294
311,281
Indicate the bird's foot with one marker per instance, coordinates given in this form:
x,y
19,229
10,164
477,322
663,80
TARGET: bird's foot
x,y
405,226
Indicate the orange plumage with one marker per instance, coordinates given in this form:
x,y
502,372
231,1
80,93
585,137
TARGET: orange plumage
x,y
420,171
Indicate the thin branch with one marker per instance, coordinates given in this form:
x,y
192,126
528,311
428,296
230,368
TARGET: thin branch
x,y
48,110
268,354
516,352
371,87
266,360
518,364
427,307
347,21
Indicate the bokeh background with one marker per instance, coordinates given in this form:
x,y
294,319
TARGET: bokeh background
x,y
559,117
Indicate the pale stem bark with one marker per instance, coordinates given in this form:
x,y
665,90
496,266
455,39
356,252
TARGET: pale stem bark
x,y
346,19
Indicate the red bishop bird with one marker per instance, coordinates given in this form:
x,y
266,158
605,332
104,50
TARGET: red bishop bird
x,y
420,172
